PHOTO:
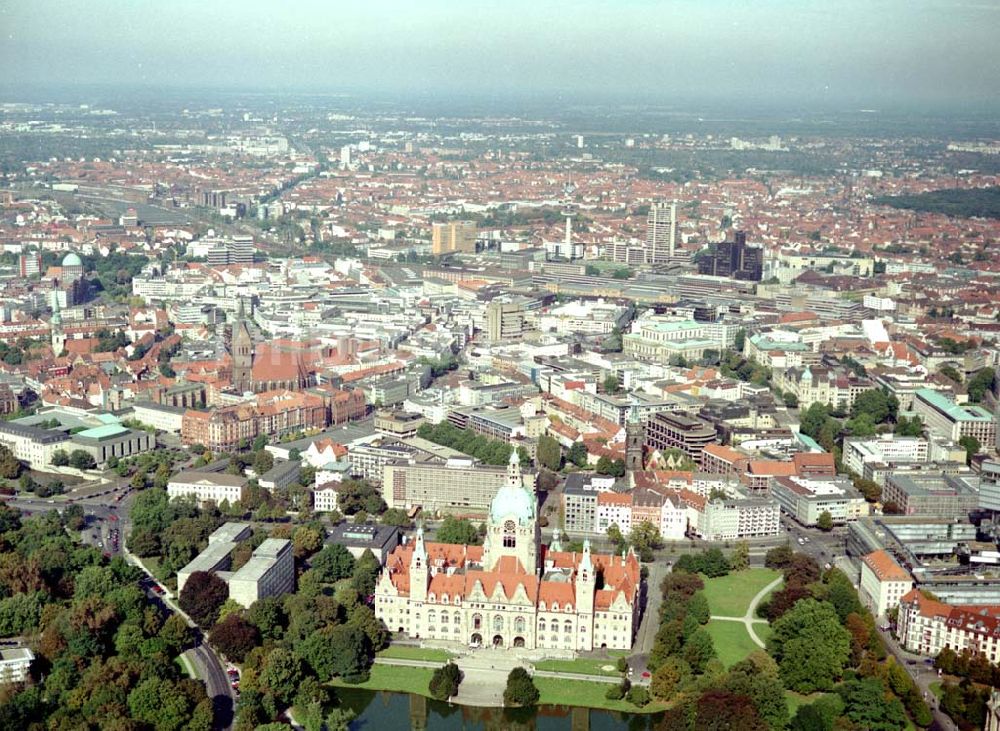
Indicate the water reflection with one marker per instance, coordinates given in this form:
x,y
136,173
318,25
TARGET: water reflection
x,y
383,711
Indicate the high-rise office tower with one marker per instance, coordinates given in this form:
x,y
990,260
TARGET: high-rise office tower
x,y
661,233
734,259
453,236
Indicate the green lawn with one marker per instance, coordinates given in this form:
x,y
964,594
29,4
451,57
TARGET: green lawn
x,y
560,692
732,641
398,678
582,665
797,700
187,667
407,652
936,689
729,596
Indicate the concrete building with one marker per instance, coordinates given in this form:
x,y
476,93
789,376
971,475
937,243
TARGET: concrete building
x,y
381,540
677,431
661,233
217,556
399,424
989,485
15,663
506,320
861,453
579,500
883,582
161,416
208,486
281,476
112,440
269,572
806,499
454,236
458,486
935,495
739,518
948,420
31,444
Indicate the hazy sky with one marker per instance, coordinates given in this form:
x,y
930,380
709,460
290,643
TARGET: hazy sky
x,y
868,52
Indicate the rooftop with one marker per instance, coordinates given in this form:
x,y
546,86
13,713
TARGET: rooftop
x,y
956,412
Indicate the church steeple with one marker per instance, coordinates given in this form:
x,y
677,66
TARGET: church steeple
x,y
55,323
242,351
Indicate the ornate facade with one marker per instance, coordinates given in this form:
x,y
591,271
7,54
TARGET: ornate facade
x,y
512,591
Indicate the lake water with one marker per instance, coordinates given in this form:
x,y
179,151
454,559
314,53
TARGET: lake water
x,y
384,711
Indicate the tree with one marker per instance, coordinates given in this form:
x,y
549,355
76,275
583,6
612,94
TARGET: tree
x,y
459,531
818,715
10,467
263,461
790,399
548,454
825,521
980,383
520,690
366,571
739,560
879,405
810,645
305,540
698,650
82,460
866,705
354,496
280,675
339,651
971,446
909,427
719,710
333,563
60,458
611,384
612,467
779,557
268,616
234,637
202,596
757,678
638,696
445,681
160,703
578,454
669,677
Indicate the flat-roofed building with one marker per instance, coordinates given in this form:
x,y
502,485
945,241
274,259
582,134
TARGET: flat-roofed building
x,y
15,663
207,486
32,444
269,572
161,416
936,495
379,539
883,582
739,518
806,499
677,431
883,449
217,556
458,486
579,501
112,440
399,424
948,420
281,476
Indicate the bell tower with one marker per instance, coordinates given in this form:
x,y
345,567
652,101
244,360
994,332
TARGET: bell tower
x,y
242,352
635,437
58,335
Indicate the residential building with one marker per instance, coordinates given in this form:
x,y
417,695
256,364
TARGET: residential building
x,y
579,500
883,582
739,518
927,626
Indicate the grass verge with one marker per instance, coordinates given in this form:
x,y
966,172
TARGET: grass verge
x,y
561,692
406,652
399,678
581,666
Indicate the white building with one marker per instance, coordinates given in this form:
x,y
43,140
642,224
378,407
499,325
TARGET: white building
x,y
884,449
207,486
584,318
15,662
926,626
806,499
883,582
269,572
725,520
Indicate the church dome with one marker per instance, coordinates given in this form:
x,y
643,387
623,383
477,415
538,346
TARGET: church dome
x,y
513,501
72,260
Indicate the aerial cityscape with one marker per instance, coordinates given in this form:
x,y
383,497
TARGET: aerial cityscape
x,y
499,366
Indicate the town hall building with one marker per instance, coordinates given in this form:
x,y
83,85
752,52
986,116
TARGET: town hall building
x,y
512,591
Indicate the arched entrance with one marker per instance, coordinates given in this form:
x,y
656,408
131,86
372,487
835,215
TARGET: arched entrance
x,y
477,640
497,641
518,642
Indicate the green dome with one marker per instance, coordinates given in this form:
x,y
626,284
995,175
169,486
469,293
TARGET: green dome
x,y
72,260
512,502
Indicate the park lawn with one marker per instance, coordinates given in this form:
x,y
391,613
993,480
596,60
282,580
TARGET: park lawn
x,y
586,694
399,678
729,596
797,700
408,652
936,689
581,665
731,639
187,667
763,631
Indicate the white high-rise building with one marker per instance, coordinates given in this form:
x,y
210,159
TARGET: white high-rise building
x,y
661,233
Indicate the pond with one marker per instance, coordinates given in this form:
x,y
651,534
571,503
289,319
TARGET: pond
x,y
385,711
